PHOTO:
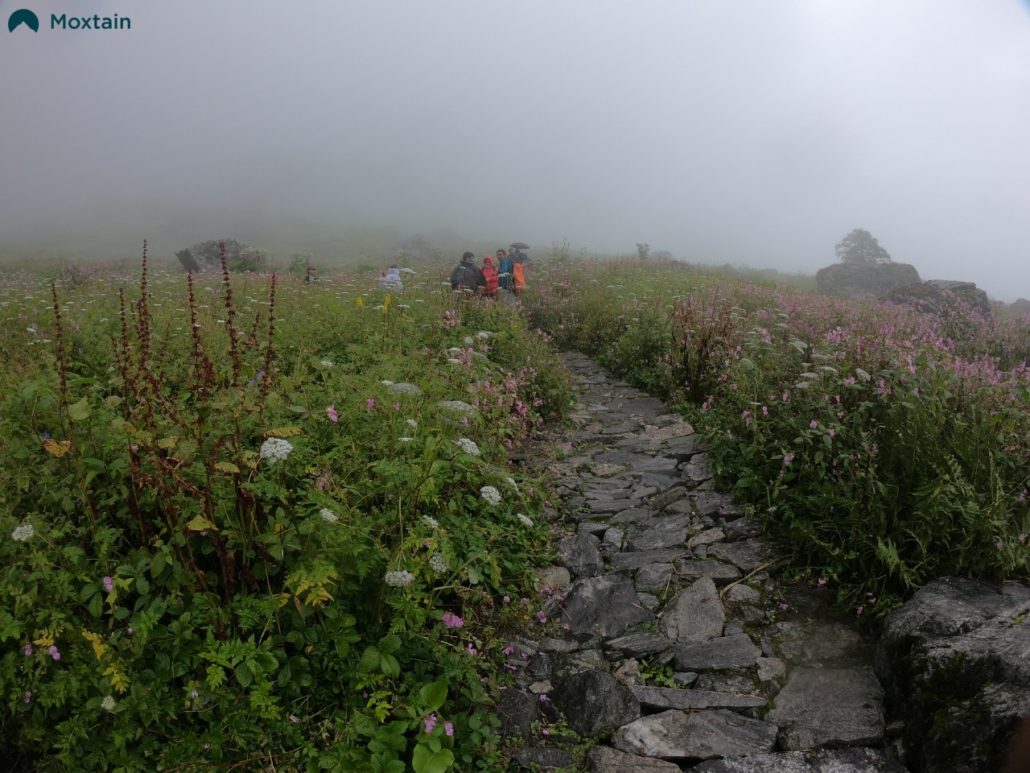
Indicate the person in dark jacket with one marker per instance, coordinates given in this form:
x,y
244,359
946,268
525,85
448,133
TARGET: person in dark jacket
x,y
467,275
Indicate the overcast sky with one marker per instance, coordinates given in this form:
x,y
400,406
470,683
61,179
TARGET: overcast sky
x,y
750,131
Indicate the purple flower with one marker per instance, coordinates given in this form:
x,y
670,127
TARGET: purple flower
x,y
108,583
28,696
506,599
370,404
430,723
542,697
54,652
330,411
448,729
27,649
451,620
541,616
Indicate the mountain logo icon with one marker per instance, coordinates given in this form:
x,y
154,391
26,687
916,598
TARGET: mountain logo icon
x,y
23,16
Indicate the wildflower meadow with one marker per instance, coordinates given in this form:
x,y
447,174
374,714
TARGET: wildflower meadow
x,y
884,447
256,523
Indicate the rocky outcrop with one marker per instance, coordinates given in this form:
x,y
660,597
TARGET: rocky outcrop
x,y
205,255
956,660
852,280
937,296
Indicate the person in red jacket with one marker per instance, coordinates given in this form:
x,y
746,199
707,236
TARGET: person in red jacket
x,y
489,277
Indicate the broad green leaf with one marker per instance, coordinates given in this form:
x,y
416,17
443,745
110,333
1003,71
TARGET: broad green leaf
x,y
425,760
433,695
200,523
79,411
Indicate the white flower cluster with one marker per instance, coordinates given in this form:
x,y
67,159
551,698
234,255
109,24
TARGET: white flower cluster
x,y
468,340
429,521
326,363
328,515
399,579
482,335
412,423
491,495
107,704
386,382
438,563
276,449
405,439
525,520
513,484
468,446
23,533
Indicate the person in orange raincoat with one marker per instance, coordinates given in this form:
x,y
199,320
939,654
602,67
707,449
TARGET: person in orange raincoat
x,y
518,270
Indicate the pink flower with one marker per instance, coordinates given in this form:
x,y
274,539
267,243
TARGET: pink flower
x,y
507,650
813,424
430,723
330,411
542,697
27,649
108,584
54,652
541,616
451,620
448,729
370,404
470,649
788,458
506,599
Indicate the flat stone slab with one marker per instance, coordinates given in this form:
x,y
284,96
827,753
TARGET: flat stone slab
x,y
640,644
829,707
604,506
860,760
696,614
635,559
604,759
543,758
653,577
700,735
823,644
673,698
658,533
737,651
603,606
747,555
594,702
707,567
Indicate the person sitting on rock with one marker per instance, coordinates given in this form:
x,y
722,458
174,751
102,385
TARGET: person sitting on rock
x,y
391,279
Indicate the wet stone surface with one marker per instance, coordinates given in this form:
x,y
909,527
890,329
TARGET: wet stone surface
x,y
672,644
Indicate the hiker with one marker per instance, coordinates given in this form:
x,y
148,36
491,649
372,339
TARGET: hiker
x,y
391,278
309,277
504,269
518,273
466,275
490,279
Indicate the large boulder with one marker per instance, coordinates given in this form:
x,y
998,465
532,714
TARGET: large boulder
x,y
851,280
937,296
205,255
956,661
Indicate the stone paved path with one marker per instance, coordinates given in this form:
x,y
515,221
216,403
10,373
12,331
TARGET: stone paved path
x,y
681,650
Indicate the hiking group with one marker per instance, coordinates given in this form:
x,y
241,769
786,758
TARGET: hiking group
x,y
508,274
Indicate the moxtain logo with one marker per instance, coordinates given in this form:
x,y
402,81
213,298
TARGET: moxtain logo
x,y
66,22
23,16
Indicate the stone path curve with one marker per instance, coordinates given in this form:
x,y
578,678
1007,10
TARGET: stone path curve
x,y
680,650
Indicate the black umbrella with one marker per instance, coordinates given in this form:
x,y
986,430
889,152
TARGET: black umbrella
x,y
519,246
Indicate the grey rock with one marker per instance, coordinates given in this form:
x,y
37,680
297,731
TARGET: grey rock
x,y
741,528
628,672
586,659
648,601
543,758
604,470
696,614
732,627
632,515
685,678
748,555
635,559
682,448
639,644
852,280
613,538
653,577
706,567
594,702
604,506
581,554
713,503
659,533
736,683
829,707
458,406
699,468
539,666
665,498
858,760
939,296
771,669
956,658
673,698
700,735
742,594
823,644
592,527
558,645
602,606
554,577
517,711
404,388
604,759
541,688
707,537
737,651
